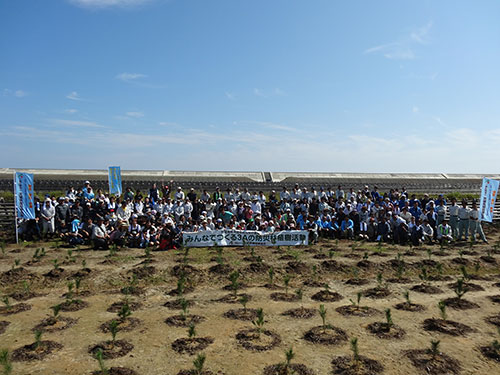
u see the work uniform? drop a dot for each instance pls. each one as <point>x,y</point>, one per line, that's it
<point>475,225</point>
<point>454,220</point>
<point>441,213</point>
<point>463,224</point>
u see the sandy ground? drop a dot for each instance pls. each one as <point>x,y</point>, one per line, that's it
<point>153,354</point>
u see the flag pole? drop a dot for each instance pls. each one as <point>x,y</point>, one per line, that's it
<point>15,206</point>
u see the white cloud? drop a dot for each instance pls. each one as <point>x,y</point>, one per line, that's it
<point>267,93</point>
<point>230,95</point>
<point>167,123</point>
<point>86,124</point>
<point>258,92</point>
<point>20,94</point>
<point>71,111</point>
<point>73,96</point>
<point>99,4</point>
<point>415,109</point>
<point>134,114</point>
<point>404,47</point>
<point>127,77</point>
<point>16,93</point>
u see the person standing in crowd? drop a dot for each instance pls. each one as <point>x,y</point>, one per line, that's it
<point>48,213</point>
<point>463,224</point>
<point>475,224</point>
<point>454,217</point>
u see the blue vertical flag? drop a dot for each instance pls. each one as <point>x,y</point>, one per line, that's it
<point>489,193</point>
<point>24,195</point>
<point>115,180</point>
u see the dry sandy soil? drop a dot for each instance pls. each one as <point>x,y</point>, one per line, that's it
<point>152,338</point>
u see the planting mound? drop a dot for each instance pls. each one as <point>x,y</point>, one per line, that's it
<point>116,371</point>
<point>14,309</point>
<point>326,296</point>
<point>300,313</point>
<point>426,289</point>
<point>294,368</point>
<point>126,325</point>
<point>414,307</point>
<point>328,335</point>
<point>73,305</point>
<point>52,324</point>
<point>191,345</point>
<point>252,339</point>
<point>117,306</point>
<point>176,304</point>
<point>241,314</point>
<point>184,320</point>
<point>112,350</point>
<point>34,352</point>
<point>352,310</point>
<point>460,304</point>
<point>446,326</point>
<point>284,297</point>
<point>385,331</point>
<point>429,364</point>
<point>231,298</point>
<point>3,326</point>
<point>494,319</point>
<point>490,352</point>
<point>377,292</point>
<point>364,366</point>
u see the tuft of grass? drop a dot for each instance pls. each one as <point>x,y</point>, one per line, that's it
<point>259,322</point>
<point>103,369</point>
<point>286,281</point>
<point>442,310</point>
<point>5,362</point>
<point>113,328</point>
<point>322,314</point>
<point>270,274</point>
<point>289,355</point>
<point>55,310</point>
<point>460,289</point>
<point>38,339</point>
<point>434,349</point>
<point>355,350</point>
<point>191,331</point>
<point>388,318</point>
<point>199,363</point>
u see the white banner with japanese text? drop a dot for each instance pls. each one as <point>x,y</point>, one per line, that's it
<point>227,237</point>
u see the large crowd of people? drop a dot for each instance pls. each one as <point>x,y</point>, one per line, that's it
<point>157,218</point>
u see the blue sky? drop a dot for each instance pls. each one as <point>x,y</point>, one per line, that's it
<point>280,85</point>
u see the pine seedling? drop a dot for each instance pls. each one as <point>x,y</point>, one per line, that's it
<point>270,274</point>
<point>259,322</point>
<point>55,310</point>
<point>191,331</point>
<point>70,285</point>
<point>181,283</point>
<point>400,270</point>
<point>17,262</point>
<point>233,277</point>
<point>252,252</point>
<point>423,275</point>
<point>6,302</point>
<point>358,299</point>
<point>465,274</point>
<point>124,312</point>
<point>315,272</point>
<point>70,257</point>
<point>331,253</point>
<point>286,281</point>
<point>477,267</point>
<point>388,318</point>
<point>442,309</point>
<point>355,350</point>
<point>100,360</point>
<point>299,293</point>
<point>55,264</point>
<point>379,280</point>
<point>322,314</point>
<point>289,355</point>
<point>184,306</point>
<point>429,254</point>
<point>365,256</point>
<point>439,268</point>
<point>460,289</point>
<point>42,252</point>
<point>38,339</point>
<point>199,363</point>
<point>5,362</point>
<point>406,294</point>
<point>243,300</point>
<point>434,349</point>
<point>113,328</point>
<point>355,272</point>
<point>78,282</point>
<point>84,263</point>
<point>26,287</point>
<point>219,259</point>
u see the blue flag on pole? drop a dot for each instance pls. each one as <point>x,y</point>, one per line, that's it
<point>489,193</point>
<point>115,180</point>
<point>24,195</point>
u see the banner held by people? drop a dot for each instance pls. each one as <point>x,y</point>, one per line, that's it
<point>489,192</point>
<point>245,238</point>
<point>115,180</point>
<point>24,195</point>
